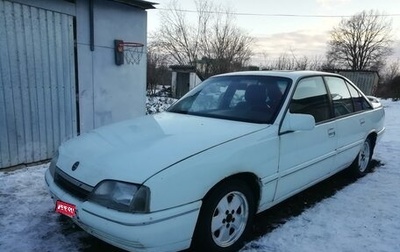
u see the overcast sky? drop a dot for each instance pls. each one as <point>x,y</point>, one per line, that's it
<point>291,26</point>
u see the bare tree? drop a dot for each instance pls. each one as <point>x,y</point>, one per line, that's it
<point>214,43</point>
<point>391,71</point>
<point>225,45</point>
<point>389,84</point>
<point>176,36</point>
<point>157,70</point>
<point>395,88</point>
<point>291,61</point>
<point>361,42</point>
<point>317,63</point>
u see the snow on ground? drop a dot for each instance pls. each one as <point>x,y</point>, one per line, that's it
<point>27,221</point>
<point>158,104</point>
<point>364,216</point>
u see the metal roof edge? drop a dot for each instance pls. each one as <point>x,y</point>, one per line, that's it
<point>137,3</point>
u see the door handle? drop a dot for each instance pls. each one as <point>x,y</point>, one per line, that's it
<point>331,132</point>
<point>362,121</point>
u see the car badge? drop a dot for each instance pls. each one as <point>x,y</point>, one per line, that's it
<point>75,166</point>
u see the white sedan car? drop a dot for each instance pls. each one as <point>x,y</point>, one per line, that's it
<point>196,175</point>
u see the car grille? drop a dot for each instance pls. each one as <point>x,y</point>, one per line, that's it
<point>71,185</point>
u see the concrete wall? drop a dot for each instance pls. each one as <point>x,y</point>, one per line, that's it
<point>107,92</point>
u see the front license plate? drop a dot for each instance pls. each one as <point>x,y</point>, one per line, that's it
<point>65,208</point>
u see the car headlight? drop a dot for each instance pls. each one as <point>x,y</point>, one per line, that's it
<point>121,196</point>
<point>53,163</point>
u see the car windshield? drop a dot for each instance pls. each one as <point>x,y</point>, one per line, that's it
<point>255,99</point>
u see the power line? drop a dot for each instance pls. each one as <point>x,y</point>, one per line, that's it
<point>272,15</point>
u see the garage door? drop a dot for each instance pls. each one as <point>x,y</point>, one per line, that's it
<point>37,83</point>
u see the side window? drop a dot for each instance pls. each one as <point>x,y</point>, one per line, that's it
<point>342,102</point>
<point>311,98</point>
<point>359,101</point>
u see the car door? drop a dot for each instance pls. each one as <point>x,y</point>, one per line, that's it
<point>351,123</point>
<point>307,156</point>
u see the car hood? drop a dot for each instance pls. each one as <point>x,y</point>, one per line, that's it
<point>135,150</point>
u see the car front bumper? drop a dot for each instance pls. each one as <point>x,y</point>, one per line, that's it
<point>167,230</point>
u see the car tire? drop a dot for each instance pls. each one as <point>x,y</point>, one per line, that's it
<point>361,165</point>
<point>225,218</point>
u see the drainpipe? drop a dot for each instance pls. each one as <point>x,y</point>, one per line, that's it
<point>91,24</point>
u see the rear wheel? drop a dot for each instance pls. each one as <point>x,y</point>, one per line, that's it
<point>225,217</point>
<point>361,164</point>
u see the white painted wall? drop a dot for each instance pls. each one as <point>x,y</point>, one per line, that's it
<point>194,80</point>
<point>109,93</point>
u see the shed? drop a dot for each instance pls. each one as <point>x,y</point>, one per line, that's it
<point>58,74</point>
<point>184,78</point>
<point>367,81</point>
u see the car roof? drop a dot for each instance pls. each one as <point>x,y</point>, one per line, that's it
<point>288,74</point>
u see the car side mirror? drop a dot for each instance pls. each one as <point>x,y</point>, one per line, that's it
<point>295,122</point>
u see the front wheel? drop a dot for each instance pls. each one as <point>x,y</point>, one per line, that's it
<point>225,217</point>
<point>361,164</point>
